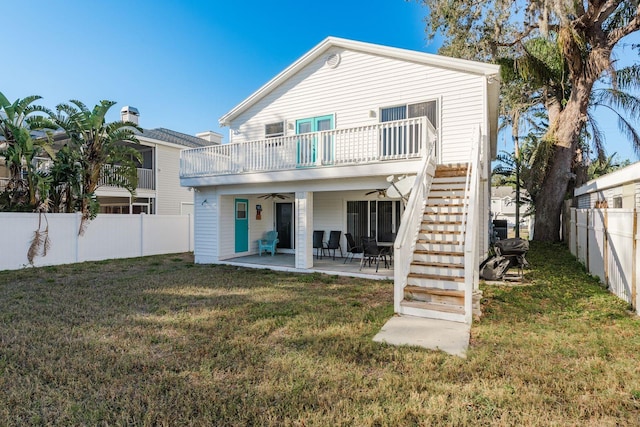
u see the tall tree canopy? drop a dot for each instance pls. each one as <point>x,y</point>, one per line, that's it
<point>554,53</point>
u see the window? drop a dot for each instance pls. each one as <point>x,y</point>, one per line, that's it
<point>273,130</point>
<point>617,202</point>
<point>424,109</point>
<point>241,210</point>
<point>427,109</point>
<point>376,218</point>
<point>399,141</point>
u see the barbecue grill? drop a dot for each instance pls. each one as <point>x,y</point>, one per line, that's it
<point>514,250</point>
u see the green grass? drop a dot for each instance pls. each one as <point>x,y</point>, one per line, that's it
<point>160,341</point>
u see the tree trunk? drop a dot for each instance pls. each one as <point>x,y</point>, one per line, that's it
<point>565,132</point>
<point>551,196</point>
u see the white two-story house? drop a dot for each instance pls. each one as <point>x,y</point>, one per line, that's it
<point>320,146</point>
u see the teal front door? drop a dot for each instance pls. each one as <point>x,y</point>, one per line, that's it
<point>242,225</point>
<point>308,149</point>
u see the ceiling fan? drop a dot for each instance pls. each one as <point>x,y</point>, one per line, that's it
<point>273,196</point>
<point>381,192</point>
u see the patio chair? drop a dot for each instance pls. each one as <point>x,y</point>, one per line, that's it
<point>351,247</point>
<point>268,243</point>
<point>372,253</point>
<point>334,243</point>
<point>318,243</point>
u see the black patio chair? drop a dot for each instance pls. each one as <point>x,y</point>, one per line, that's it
<point>351,247</point>
<point>334,243</point>
<point>318,243</point>
<point>372,253</point>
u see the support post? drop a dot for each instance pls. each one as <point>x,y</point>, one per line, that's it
<point>304,229</point>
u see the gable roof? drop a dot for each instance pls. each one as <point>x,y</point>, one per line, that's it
<point>173,137</point>
<point>439,61</point>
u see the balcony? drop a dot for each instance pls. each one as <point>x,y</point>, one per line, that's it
<point>396,140</point>
<point>145,178</point>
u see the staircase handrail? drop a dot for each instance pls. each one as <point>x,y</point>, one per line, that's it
<point>470,224</point>
<point>406,237</point>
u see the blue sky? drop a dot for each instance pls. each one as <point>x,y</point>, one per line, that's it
<point>184,64</point>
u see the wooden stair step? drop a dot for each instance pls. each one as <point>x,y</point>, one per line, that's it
<point>436,277</point>
<point>441,253</point>
<point>446,183</point>
<point>457,173</point>
<point>434,291</point>
<point>441,222</point>
<point>438,242</point>
<point>447,308</point>
<point>437,264</point>
<point>424,230</point>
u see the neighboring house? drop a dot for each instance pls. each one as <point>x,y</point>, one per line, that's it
<point>315,148</point>
<point>619,189</point>
<point>503,206</point>
<point>158,191</point>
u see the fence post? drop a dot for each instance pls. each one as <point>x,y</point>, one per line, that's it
<point>586,256</point>
<point>142,234</point>
<point>76,232</point>
<point>634,270</point>
<point>605,244</point>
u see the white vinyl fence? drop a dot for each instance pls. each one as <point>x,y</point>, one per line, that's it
<point>606,242</point>
<point>106,237</point>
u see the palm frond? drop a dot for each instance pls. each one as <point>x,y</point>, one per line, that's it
<point>617,100</point>
<point>597,137</point>
<point>628,78</point>
<point>627,129</point>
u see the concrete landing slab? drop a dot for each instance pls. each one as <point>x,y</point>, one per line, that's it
<point>450,337</point>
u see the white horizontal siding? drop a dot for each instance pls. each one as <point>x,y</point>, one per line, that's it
<point>258,227</point>
<point>170,195</point>
<point>364,83</point>
<point>227,227</point>
<point>329,214</point>
<point>206,226</point>
<point>584,201</point>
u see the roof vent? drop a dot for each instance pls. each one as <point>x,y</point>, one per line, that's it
<point>333,60</point>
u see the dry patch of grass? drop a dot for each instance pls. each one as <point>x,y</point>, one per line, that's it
<point>160,341</point>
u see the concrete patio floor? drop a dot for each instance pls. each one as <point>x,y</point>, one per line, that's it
<point>286,262</point>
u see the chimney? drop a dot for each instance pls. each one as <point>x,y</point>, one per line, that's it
<point>213,137</point>
<point>130,114</point>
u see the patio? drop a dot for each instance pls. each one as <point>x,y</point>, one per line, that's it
<point>286,262</point>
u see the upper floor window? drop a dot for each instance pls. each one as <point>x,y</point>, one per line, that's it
<point>273,130</point>
<point>427,109</point>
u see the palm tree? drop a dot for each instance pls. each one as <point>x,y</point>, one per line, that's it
<point>27,188</point>
<point>103,153</point>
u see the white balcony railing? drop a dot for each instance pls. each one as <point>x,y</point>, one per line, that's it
<point>145,178</point>
<point>397,140</point>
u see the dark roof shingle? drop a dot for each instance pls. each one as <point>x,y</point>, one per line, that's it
<point>174,137</point>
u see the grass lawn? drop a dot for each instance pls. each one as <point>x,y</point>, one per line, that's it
<point>159,341</point>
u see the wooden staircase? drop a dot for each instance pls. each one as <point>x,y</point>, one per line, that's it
<point>435,284</point>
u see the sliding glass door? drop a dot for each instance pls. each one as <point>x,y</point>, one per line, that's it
<point>376,218</point>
